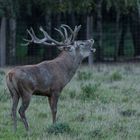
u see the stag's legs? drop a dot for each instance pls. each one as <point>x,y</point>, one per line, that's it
<point>53,105</point>
<point>22,109</point>
<point>15,99</point>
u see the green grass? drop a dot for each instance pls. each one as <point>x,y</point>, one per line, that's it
<point>100,104</point>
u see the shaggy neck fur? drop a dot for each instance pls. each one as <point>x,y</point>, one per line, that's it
<point>68,63</point>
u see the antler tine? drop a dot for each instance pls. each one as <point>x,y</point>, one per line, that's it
<point>65,32</point>
<point>74,33</point>
<point>35,38</point>
<point>39,41</point>
<point>64,25</point>
<point>47,37</point>
<point>27,40</point>
<point>32,37</point>
<point>60,32</point>
<point>71,37</point>
<point>69,40</point>
<point>76,30</point>
<point>25,44</point>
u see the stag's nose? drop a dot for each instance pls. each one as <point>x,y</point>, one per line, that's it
<point>92,42</point>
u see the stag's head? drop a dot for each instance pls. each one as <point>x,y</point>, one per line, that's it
<point>68,43</point>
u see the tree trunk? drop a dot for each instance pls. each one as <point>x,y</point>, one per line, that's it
<point>47,53</point>
<point>89,35</point>
<point>48,22</point>
<point>117,35</point>
<point>99,50</point>
<point>52,20</point>
<point>135,29</point>
<point>12,40</point>
<point>122,36</point>
<point>3,42</point>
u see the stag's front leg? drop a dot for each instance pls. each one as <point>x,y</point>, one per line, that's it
<point>53,105</point>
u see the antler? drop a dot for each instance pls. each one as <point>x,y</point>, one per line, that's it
<point>74,33</point>
<point>48,40</point>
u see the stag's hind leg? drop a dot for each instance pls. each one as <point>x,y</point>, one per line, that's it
<point>12,86</point>
<point>22,109</point>
<point>15,100</point>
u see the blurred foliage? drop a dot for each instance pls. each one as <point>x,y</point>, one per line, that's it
<point>121,5</point>
<point>58,128</point>
<point>89,91</point>
<point>116,76</point>
<point>13,6</point>
<point>83,75</point>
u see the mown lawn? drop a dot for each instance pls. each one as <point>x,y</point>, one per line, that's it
<point>100,104</point>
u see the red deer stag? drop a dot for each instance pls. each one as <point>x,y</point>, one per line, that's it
<point>47,78</point>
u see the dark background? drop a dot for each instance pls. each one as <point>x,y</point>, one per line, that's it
<point>114,25</point>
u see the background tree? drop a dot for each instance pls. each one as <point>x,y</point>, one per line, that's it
<point>99,49</point>
<point>127,15</point>
<point>134,13</point>
<point>3,5</point>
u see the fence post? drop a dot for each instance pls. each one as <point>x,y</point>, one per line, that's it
<point>3,42</point>
<point>89,36</point>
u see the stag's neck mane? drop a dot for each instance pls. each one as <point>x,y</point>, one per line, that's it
<point>69,63</point>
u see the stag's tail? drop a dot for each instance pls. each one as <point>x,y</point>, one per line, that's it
<point>13,88</point>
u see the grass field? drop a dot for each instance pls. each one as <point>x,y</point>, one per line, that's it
<point>100,104</point>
